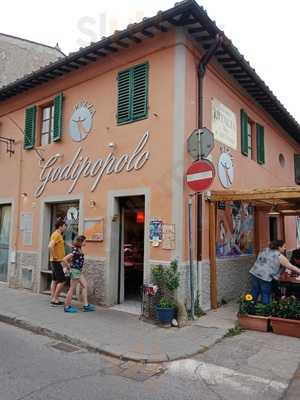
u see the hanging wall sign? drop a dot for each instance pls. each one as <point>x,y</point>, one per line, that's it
<point>83,167</point>
<point>81,121</point>
<point>226,169</point>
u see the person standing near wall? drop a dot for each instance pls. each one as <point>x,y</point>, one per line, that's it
<point>75,263</point>
<point>57,254</point>
<point>266,268</point>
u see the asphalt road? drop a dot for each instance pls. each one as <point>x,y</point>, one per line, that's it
<point>34,367</point>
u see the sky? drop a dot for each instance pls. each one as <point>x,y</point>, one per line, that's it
<point>265,32</point>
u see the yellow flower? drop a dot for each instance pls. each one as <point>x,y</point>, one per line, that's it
<point>248,297</point>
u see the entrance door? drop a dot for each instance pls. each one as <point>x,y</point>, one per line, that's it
<point>69,212</point>
<point>131,268</point>
<point>5,221</point>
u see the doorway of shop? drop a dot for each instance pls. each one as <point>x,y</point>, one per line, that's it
<point>5,222</point>
<point>131,252</point>
<point>69,212</point>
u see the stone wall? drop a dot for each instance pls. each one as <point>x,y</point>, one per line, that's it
<point>95,274</point>
<point>233,277</point>
<point>26,273</point>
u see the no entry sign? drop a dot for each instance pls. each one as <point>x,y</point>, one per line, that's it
<point>200,175</point>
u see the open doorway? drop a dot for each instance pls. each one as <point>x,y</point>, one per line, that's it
<point>131,250</point>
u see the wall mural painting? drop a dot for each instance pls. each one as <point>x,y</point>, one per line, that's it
<point>235,229</point>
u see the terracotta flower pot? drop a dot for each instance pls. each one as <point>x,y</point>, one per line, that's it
<point>254,322</point>
<point>288,327</point>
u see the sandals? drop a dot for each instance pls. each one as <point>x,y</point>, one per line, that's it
<point>59,303</point>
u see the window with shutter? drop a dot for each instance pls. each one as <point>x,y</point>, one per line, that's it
<point>140,92</point>
<point>57,126</point>
<point>133,94</point>
<point>244,133</point>
<point>260,142</point>
<point>29,132</point>
<point>47,113</point>
<point>124,96</point>
<point>297,168</point>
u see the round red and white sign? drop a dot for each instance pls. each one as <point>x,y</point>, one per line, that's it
<point>200,175</point>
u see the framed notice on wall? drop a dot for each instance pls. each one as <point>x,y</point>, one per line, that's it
<point>168,237</point>
<point>93,229</point>
<point>224,124</point>
<point>26,228</point>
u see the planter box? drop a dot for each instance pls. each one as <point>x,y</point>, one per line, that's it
<point>165,315</point>
<point>288,327</point>
<point>254,322</point>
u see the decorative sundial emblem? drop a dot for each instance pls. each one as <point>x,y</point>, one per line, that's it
<point>226,170</point>
<point>81,122</point>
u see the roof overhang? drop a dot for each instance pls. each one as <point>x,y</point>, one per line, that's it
<point>280,200</point>
<point>186,14</point>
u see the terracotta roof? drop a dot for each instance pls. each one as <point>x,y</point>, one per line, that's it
<point>186,14</point>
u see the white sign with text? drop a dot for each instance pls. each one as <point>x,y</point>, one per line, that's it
<point>224,124</point>
<point>83,167</point>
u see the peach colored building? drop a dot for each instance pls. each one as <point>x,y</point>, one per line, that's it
<point>100,138</point>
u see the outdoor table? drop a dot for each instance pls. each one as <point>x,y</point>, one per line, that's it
<point>291,283</point>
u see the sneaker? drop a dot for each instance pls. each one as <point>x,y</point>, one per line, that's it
<point>70,309</point>
<point>59,303</point>
<point>89,307</point>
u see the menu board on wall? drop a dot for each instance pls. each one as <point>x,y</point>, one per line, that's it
<point>224,124</point>
<point>235,230</point>
<point>26,228</point>
<point>168,236</point>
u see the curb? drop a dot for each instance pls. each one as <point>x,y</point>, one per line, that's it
<point>129,356</point>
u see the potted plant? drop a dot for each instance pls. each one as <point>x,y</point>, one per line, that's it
<point>168,280</point>
<point>253,316</point>
<point>165,311</point>
<point>285,318</point>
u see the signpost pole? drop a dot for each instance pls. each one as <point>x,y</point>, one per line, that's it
<point>191,258</point>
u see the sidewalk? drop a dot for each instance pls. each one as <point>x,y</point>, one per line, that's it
<point>112,332</point>
<point>293,392</point>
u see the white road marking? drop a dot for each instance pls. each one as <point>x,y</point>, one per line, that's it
<point>199,176</point>
<point>216,375</point>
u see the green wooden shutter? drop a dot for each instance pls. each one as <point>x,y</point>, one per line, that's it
<point>297,168</point>
<point>58,108</point>
<point>244,133</point>
<point>29,132</point>
<point>260,143</point>
<point>140,91</point>
<point>124,96</point>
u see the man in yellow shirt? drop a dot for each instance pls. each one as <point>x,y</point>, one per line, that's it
<point>57,254</point>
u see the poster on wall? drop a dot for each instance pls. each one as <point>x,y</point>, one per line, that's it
<point>224,124</point>
<point>155,232</point>
<point>235,230</point>
<point>93,229</point>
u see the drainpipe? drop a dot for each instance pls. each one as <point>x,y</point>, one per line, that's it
<point>206,58</point>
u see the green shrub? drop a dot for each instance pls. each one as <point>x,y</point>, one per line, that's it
<point>288,308</point>
<point>165,303</point>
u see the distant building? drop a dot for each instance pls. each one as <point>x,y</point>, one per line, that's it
<point>19,57</point>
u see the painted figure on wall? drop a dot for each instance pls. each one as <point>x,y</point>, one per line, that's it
<point>235,234</point>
